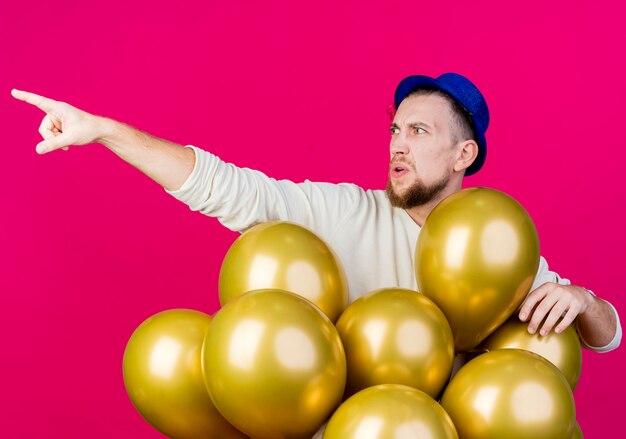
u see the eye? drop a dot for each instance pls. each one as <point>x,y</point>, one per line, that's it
<point>420,130</point>
<point>394,130</point>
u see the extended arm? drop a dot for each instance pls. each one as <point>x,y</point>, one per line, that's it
<point>239,198</point>
<point>63,126</point>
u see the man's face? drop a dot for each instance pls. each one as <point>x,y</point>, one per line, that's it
<point>422,151</point>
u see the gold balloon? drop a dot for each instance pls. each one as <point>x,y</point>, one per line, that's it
<point>578,432</point>
<point>476,258</point>
<point>288,257</point>
<point>163,377</point>
<point>510,394</point>
<point>563,349</point>
<point>390,411</point>
<point>274,365</point>
<point>396,336</point>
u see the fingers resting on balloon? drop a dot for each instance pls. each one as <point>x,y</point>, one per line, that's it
<point>552,302</point>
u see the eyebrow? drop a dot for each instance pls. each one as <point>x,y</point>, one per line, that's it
<point>413,125</point>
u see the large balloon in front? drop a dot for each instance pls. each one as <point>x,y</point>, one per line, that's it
<point>274,365</point>
<point>476,258</point>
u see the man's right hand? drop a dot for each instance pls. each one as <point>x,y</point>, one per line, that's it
<point>63,125</point>
<point>167,163</point>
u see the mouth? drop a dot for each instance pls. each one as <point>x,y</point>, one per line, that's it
<point>397,170</point>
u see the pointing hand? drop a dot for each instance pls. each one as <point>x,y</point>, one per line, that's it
<point>63,125</point>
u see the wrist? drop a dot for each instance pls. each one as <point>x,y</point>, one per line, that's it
<point>590,300</point>
<point>108,131</point>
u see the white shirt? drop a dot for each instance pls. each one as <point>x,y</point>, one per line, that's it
<point>374,241</point>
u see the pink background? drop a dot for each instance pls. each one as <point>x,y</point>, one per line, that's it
<point>91,247</point>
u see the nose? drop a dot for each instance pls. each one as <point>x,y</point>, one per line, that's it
<point>399,145</point>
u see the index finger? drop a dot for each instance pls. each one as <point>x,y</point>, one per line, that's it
<point>40,102</point>
<point>531,300</point>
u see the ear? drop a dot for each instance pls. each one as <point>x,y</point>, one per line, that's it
<point>467,154</point>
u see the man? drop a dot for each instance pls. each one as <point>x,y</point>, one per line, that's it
<point>437,137</point>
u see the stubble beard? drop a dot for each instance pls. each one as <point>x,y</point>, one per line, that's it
<point>417,194</point>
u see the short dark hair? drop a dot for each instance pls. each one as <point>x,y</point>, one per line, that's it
<point>463,127</point>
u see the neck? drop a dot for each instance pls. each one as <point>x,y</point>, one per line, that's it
<point>420,213</point>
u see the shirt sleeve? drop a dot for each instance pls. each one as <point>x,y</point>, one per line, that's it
<point>617,338</point>
<point>545,275</point>
<point>241,198</point>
